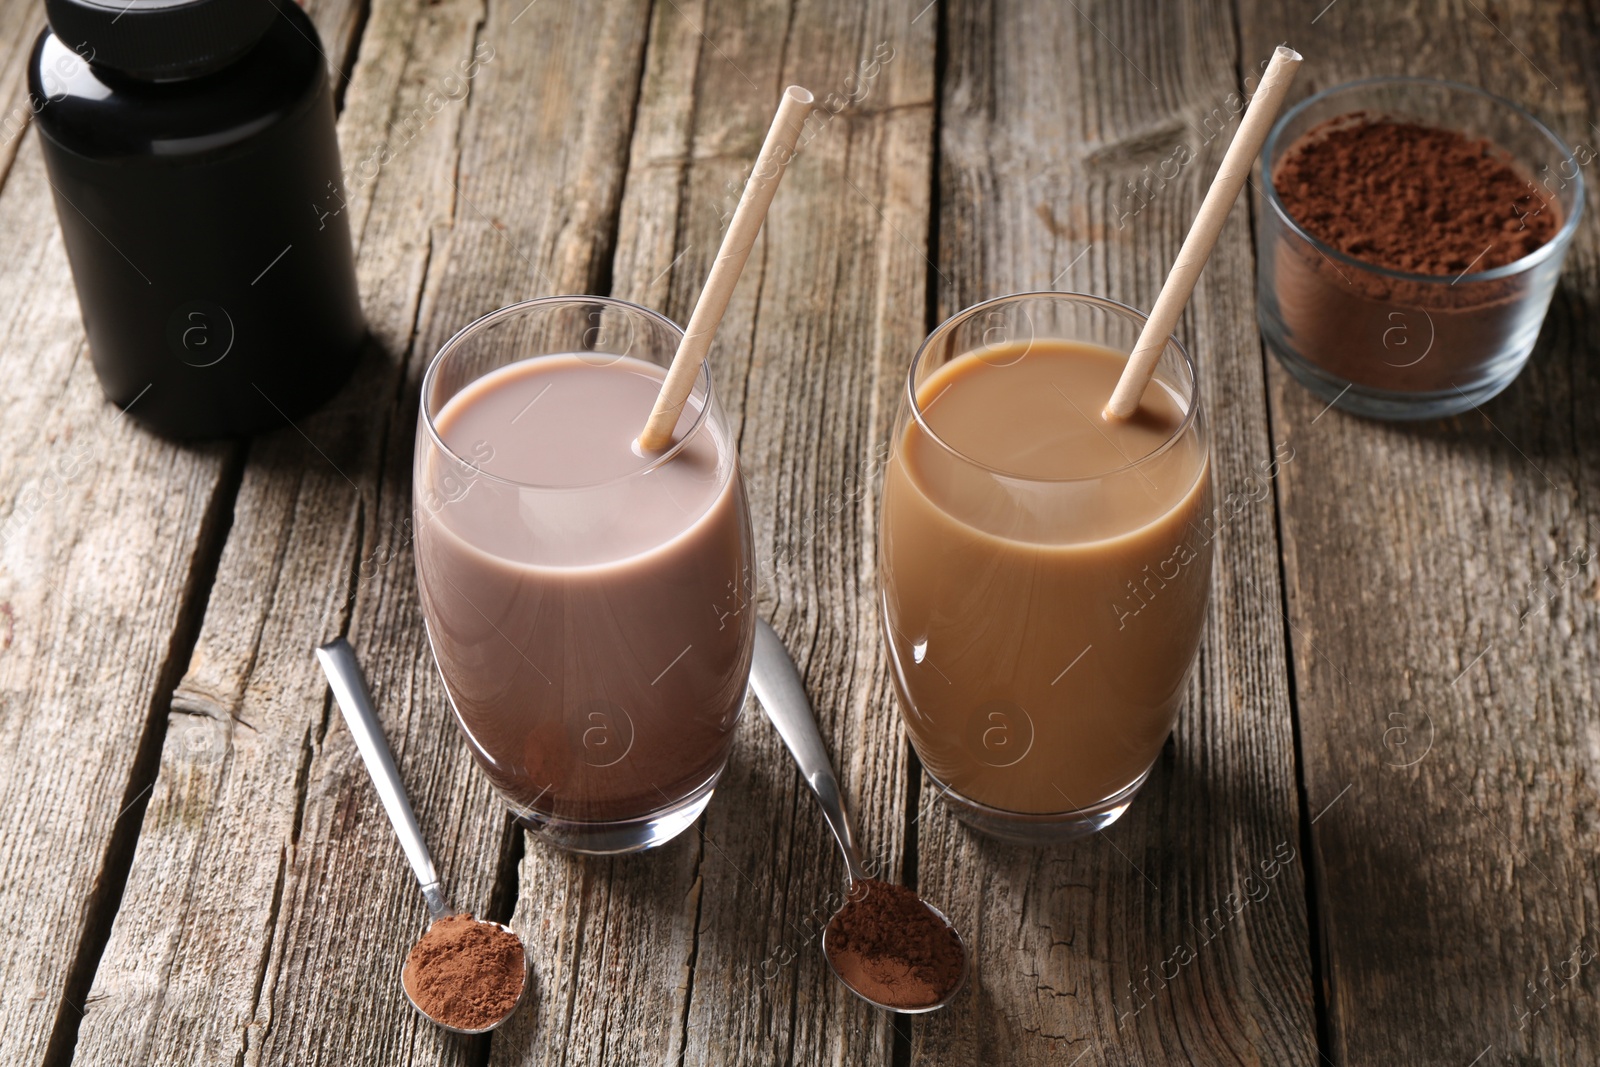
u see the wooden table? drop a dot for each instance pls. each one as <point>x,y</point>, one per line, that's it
<point>1395,705</point>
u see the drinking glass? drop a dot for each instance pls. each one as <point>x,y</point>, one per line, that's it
<point>1041,631</point>
<point>595,662</point>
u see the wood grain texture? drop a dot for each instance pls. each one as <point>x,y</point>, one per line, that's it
<point>1446,640</point>
<point>706,952</point>
<point>1143,944</point>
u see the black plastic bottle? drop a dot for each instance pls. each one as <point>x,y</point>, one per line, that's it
<point>191,150</point>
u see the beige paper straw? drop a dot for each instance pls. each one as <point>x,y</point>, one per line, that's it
<point>776,152</point>
<point>1175,292</point>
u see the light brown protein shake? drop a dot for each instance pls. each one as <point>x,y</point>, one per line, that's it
<point>1044,599</point>
<point>586,613</point>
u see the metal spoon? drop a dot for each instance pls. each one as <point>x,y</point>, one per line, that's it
<point>783,697</point>
<point>338,661</point>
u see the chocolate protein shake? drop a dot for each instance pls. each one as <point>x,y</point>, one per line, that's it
<point>584,600</point>
<point>1045,574</point>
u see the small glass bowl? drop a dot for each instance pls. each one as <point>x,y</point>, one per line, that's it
<point>1393,345</point>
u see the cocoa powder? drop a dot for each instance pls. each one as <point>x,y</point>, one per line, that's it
<point>1429,202</point>
<point>464,973</point>
<point>1412,198</point>
<point>889,945</point>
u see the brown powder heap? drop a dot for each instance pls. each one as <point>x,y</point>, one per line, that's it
<point>464,973</point>
<point>1412,198</point>
<point>890,946</point>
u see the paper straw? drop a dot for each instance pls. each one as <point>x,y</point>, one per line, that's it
<point>1175,293</point>
<point>776,153</point>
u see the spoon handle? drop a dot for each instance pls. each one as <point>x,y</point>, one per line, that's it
<point>783,697</point>
<point>338,661</point>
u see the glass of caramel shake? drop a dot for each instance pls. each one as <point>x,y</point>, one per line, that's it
<point>1044,570</point>
<point>590,605</point>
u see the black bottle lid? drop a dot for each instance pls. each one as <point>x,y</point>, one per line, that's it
<point>160,39</point>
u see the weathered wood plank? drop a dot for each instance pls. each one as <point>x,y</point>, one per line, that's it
<point>1445,636</point>
<point>706,952</point>
<point>268,899</point>
<point>1050,115</point>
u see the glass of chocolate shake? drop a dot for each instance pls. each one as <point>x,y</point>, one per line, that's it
<point>1044,571</point>
<point>589,604</point>
<point>1412,233</point>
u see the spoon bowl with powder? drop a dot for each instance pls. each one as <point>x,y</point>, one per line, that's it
<point>467,975</point>
<point>890,947</point>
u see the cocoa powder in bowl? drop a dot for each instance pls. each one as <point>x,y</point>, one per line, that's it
<point>465,974</point>
<point>894,949</point>
<point>1410,197</point>
<point>1417,200</point>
